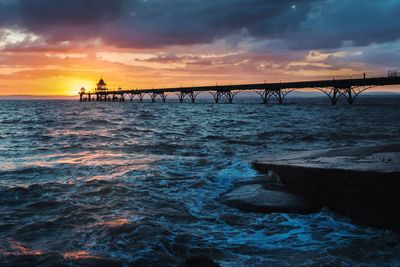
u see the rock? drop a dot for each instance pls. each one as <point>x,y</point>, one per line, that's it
<point>255,198</point>
<point>200,261</point>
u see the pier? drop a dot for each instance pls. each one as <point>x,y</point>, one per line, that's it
<point>335,89</point>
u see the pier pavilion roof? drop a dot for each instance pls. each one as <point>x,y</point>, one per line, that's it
<point>101,82</point>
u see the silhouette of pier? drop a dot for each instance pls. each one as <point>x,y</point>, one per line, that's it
<point>335,89</point>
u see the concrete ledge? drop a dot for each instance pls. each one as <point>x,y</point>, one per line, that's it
<point>366,194</point>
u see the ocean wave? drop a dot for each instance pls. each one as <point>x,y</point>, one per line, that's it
<point>132,184</point>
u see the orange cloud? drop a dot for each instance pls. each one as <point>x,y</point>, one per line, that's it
<point>65,72</point>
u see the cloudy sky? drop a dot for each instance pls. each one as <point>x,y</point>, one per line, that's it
<point>50,47</point>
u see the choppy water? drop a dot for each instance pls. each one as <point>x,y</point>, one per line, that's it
<point>140,183</point>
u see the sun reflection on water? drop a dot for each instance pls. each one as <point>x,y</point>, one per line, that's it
<point>18,248</point>
<point>113,223</point>
<point>76,255</point>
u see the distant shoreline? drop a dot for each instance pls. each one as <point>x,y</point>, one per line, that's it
<point>34,97</point>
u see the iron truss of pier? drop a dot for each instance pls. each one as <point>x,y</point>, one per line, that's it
<point>347,89</point>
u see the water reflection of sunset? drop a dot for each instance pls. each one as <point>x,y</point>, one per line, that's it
<point>19,248</point>
<point>117,164</point>
<point>76,255</point>
<point>113,223</point>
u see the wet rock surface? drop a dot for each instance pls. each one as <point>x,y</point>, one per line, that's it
<point>255,198</point>
<point>383,158</point>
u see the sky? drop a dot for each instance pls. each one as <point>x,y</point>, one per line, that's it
<point>50,47</point>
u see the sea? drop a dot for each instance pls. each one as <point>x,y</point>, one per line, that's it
<point>139,184</point>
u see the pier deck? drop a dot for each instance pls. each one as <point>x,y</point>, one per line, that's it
<point>347,89</point>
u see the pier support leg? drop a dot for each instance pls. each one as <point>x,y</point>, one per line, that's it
<point>281,94</point>
<point>349,93</point>
<point>279,97</point>
<point>154,96</point>
<point>217,96</point>
<point>350,98</point>
<point>163,97</point>
<point>141,97</point>
<point>229,95</point>
<point>335,96</point>
<point>354,91</point>
<point>265,95</point>
<point>181,96</point>
<point>332,93</point>
<point>192,95</point>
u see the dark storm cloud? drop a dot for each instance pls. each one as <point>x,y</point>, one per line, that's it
<point>301,24</point>
<point>45,13</point>
<point>333,23</point>
<point>61,20</point>
<point>189,22</point>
